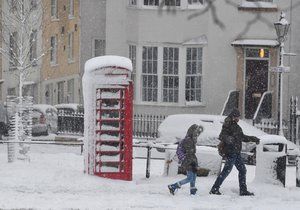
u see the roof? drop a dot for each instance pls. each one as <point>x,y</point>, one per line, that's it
<point>107,61</point>
<point>255,42</point>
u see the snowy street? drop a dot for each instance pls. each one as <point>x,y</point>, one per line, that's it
<point>54,179</point>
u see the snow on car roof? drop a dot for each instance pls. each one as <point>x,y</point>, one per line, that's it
<point>43,107</point>
<point>69,106</point>
<point>174,127</point>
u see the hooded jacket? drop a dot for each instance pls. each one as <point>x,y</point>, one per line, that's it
<point>232,135</point>
<point>189,146</point>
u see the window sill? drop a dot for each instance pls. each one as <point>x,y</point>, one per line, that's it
<point>70,61</point>
<point>197,104</point>
<point>53,64</point>
<point>54,19</point>
<point>258,6</point>
<point>188,7</point>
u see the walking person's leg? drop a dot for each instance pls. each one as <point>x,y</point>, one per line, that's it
<point>230,161</point>
<point>239,164</point>
<point>193,188</point>
<point>177,185</point>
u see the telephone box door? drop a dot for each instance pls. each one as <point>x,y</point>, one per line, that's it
<point>114,132</point>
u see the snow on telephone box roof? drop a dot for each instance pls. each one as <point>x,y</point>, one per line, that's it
<point>107,61</point>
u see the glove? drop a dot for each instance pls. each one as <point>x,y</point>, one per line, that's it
<point>256,140</point>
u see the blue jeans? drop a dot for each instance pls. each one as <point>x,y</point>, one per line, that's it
<point>233,159</point>
<point>190,178</point>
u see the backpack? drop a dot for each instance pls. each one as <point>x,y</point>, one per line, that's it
<point>180,151</point>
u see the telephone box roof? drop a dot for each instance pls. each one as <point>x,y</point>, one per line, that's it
<point>107,61</point>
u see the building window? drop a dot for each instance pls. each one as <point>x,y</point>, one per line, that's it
<point>54,8</point>
<point>132,2</point>
<point>49,94</point>
<point>13,5</point>
<point>71,46</point>
<point>172,2</point>
<point>60,92</point>
<point>193,82</point>
<point>53,52</point>
<point>195,2</point>
<point>11,92</point>
<point>71,8</point>
<point>33,47</point>
<point>70,96</point>
<point>149,74</point>
<point>170,74</point>
<point>13,51</point>
<point>132,57</point>
<point>257,53</point>
<point>31,90</point>
<point>99,47</point>
<point>33,4</point>
<point>151,2</point>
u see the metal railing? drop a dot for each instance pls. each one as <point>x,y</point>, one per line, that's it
<point>146,125</point>
<point>70,122</point>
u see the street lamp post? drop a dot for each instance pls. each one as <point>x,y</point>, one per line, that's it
<point>282,28</point>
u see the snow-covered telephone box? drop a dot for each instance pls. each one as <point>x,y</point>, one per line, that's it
<point>108,96</point>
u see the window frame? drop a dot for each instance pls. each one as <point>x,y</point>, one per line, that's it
<point>53,9</point>
<point>170,75</point>
<point>33,47</point>
<point>71,9</point>
<point>60,92</point>
<point>102,49</point>
<point>197,74</point>
<point>147,62</point>
<point>71,47</point>
<point>13,51</point>
<point>132,56</point>
<point>53,51</point>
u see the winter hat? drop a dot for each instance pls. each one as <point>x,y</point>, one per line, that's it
<point>234,113</point>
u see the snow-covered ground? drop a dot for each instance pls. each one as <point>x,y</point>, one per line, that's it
<point>54,179</point>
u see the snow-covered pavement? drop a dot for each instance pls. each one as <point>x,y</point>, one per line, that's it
<point>54,179</point>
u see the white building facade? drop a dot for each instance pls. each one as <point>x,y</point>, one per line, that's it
<point>188,54</point>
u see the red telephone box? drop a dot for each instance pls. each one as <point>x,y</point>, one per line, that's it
<point>110,153</point>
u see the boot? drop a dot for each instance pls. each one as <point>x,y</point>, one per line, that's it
<point>193,191</point>
<point>246,193</point>
<point>173,188</point>
<point>215,191</point>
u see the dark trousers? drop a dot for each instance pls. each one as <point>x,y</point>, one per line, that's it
<point>233,159</point>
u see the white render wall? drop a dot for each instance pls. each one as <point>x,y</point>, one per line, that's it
<point>144,26</point>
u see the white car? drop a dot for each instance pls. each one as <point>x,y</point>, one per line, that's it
<point>44,119</point>
<point>174,127</point>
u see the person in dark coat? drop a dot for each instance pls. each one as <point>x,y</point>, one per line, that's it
<point>190,162</point>
<point>233,136</point>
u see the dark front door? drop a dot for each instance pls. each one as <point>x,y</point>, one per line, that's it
<point>256,83</point>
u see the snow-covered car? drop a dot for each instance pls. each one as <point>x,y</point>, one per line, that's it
<point>69,108</point>
<point>174,127</point>
<point>44,119</point>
